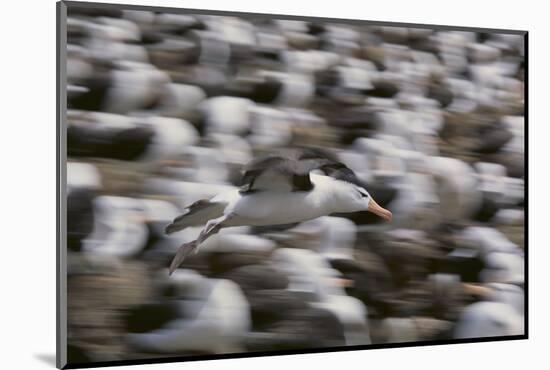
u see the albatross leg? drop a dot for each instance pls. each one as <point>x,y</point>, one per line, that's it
<point>211,228</point>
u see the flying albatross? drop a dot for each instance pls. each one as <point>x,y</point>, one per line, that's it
<point>278,190</point>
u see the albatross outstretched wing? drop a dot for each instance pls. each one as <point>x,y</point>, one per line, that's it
<point>281,173</point>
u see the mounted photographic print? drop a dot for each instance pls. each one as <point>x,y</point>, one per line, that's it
<point>237,184</point>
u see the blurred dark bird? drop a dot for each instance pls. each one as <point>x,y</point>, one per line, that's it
<point>278,190</point>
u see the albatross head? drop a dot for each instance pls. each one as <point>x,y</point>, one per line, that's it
<point>353,198</point>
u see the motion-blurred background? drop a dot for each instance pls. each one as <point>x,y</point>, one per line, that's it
<point>164,109</point>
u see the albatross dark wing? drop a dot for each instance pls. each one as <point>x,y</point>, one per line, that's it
<point>291,171</point>
<point>342,172</point>
<point>280,174</point>
<point>330,165</point>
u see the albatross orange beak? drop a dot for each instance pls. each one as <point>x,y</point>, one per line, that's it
<point>379,211</point>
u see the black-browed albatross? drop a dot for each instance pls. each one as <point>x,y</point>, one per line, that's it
<point>278,190</point>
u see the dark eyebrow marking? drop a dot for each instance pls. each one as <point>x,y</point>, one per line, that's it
<point>363,194</point>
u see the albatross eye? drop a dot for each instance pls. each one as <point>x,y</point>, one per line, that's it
<point>363,194</point>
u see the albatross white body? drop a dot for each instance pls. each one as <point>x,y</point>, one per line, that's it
<point>282,207</point>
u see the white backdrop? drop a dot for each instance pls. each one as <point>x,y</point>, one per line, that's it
<point>27,205</point>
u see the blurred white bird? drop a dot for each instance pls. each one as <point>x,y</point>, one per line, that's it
<point>278,190</point>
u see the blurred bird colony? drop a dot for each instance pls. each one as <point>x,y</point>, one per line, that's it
<point>165,109</point>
